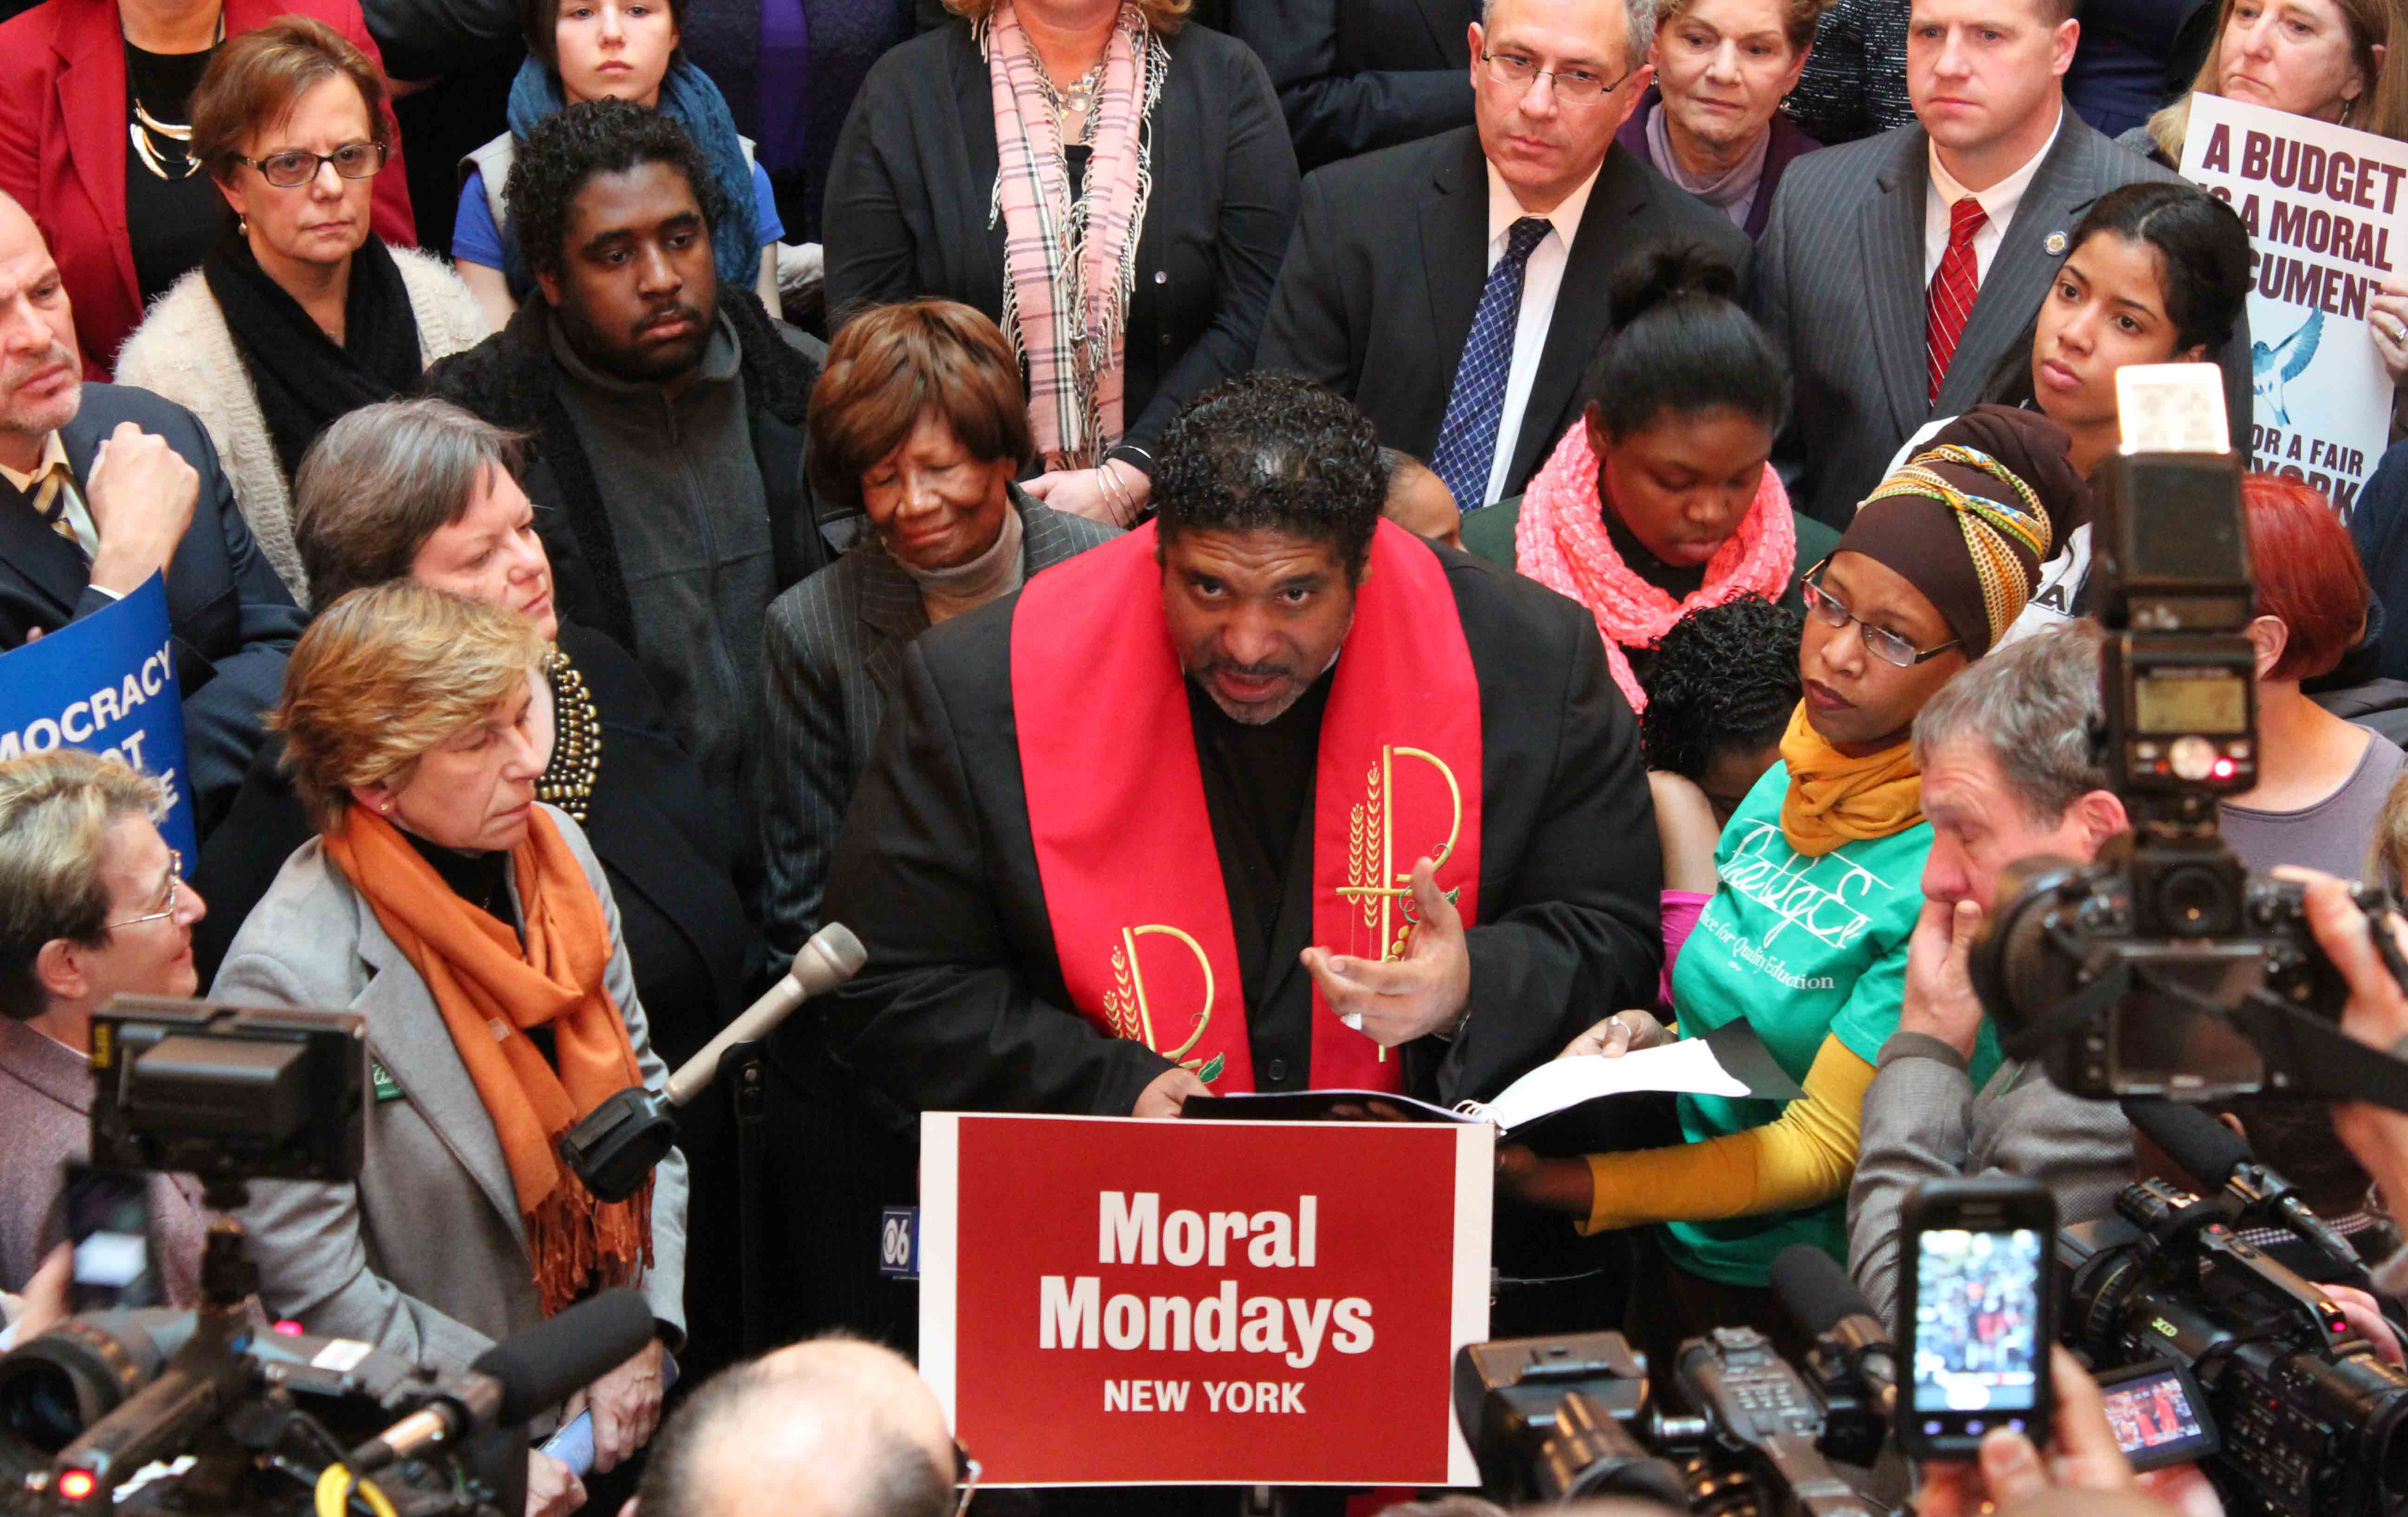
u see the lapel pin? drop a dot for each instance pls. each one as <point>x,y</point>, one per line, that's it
<point>2055,243</point>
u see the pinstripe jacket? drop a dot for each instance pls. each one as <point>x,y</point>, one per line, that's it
<point>1839,284</point>
<point>832,649</point>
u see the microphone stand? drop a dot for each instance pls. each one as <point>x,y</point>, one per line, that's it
<point>745,1067</point>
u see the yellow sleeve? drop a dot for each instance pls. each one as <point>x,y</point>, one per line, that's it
<point>1801,1159</point>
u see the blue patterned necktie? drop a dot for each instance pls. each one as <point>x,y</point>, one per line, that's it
<point>1467,439</point>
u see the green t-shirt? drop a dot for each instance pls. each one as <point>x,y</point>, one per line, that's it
<point>1802,948</point>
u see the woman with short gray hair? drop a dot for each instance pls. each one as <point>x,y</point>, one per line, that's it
<point>422,490</point>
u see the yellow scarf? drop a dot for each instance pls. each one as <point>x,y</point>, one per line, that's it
<point>1834,798</point>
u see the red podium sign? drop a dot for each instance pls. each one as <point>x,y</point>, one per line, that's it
<point>1105,1301</point>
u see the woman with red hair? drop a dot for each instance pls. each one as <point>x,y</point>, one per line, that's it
<point>2321,781</point>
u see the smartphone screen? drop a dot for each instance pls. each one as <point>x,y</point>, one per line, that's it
<point>1981,1341</point>
<point>2157,1415</point>
<point>109,1224</point>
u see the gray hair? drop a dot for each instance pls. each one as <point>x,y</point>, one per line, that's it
<point>1639,15</point>
<point>56,807</point>
<point>2030,706</point>
<point>382,479</point>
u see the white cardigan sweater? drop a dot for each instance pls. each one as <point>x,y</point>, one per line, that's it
<point>185,351</point>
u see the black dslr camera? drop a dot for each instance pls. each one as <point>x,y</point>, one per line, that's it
<point>2164,968</point>
<point>2312,1423</point>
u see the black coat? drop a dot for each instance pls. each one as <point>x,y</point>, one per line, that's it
<point>1357,75</point>
<point>233,619</point>
<point>511,379</point>
<point>914,176</point>
<point>962,1004</point>
<point>1391,253</point>
<point>649,822</point>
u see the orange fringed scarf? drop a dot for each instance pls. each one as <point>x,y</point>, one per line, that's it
<point>488,993</point>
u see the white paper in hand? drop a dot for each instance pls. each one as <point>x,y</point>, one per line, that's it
<point>1684,1067</point>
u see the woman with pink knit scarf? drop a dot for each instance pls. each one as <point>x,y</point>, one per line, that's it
<point>1659,501</point>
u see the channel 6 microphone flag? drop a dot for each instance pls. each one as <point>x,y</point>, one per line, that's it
<point>106,684</point>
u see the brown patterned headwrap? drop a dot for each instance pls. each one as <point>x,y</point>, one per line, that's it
<point>1970,519</point>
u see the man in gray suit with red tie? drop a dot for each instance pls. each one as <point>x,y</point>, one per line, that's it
<point>1898,272</point>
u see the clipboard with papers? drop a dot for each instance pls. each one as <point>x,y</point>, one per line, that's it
<point>1587,1105</point>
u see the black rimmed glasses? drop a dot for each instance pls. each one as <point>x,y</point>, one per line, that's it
<point>296,166</point>
<point>966,1471</point>
<point>175,897</point>
<point>1888,646</point>
<point>1573,86</point>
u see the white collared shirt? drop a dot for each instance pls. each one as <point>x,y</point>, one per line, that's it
<point>1542,278</point>
<point>1999,200</point>
<point>54,452</point>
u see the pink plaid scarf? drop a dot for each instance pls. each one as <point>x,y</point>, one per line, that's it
<point>1560,540</point>
<point>1069,267</point>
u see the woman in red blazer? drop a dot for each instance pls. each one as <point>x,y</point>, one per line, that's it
<point>64,133</point>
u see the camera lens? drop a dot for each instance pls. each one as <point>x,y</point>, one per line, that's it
<point>1593,1454</point>
<point>2197,900</point>
<point>71,1377</point>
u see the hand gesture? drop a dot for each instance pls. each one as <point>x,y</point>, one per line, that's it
<point>141,493</point>
<point>1625,1032</point>
<point>2010,1470</point>
<point>1169,1093</point>
<point>553,1489</point>
<point>1401,999</point>
<point>626,1406</point>
<point>1939,999</point>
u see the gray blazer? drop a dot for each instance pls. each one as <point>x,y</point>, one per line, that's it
<point>1922,1120</point>
<point>427,1256</point>
<point>832,652</point>
<point>1839,285</point>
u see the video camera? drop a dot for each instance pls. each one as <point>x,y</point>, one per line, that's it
<point>231,1094</point>
<point>1560,1419</point>
<point>2164,968</point>
<point>2313,1425</point>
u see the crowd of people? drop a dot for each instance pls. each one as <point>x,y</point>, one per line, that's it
<point>995,474</point>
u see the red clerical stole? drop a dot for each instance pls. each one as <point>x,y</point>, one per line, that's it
<point>1124,846</point>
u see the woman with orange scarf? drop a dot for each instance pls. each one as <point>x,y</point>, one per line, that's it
<point>473,929</point>
<point>1820,885</point>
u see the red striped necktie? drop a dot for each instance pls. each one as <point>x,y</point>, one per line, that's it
<point>1954,290</point>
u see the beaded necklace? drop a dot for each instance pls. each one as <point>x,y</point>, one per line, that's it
<point>568,781</point>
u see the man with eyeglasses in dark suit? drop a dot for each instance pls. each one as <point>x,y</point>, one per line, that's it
<point>1455,288</point>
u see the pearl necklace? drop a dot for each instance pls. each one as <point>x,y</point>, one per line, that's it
<point>568,781</point>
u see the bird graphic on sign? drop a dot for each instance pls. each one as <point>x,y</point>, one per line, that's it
<point>2271,368</point>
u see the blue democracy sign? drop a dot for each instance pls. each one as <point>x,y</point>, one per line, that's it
<point>105,682</point>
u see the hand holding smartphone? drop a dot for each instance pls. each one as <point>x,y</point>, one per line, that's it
<point>1977,1308</point>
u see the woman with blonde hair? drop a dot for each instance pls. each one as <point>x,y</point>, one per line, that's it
<point>2330,60</point>
<point>473,929</point>
<point>1112,187</point>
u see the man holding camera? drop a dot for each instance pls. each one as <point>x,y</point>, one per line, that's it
<point>2007,775</point>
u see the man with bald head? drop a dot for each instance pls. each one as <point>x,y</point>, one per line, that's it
<point>102,487</point>
<point>833,1427</point>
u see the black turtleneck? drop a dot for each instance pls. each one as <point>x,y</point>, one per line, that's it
<point>483,881</point>
<point>1258,784</point>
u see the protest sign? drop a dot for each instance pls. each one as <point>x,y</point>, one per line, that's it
<point>2321,203</point>
<point>1112,1301</point>
<point>107,683</point>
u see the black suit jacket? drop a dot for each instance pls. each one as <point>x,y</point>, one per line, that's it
<point>1357,75</point>
<point>650,820</point>
<point>233,619</point>
<point>1385,274</point>
<point>962,1004</point>
<point>914,176</point>
<point>1839,285</point>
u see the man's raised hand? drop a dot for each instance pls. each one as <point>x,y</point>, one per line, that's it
<point>1424,992</point>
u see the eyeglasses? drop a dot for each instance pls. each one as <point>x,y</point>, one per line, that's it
<point>1882,644</point>
<point>296,166</point>
<point>966,1471</point>
<point>1573,86</point>
<point>175,896</point>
